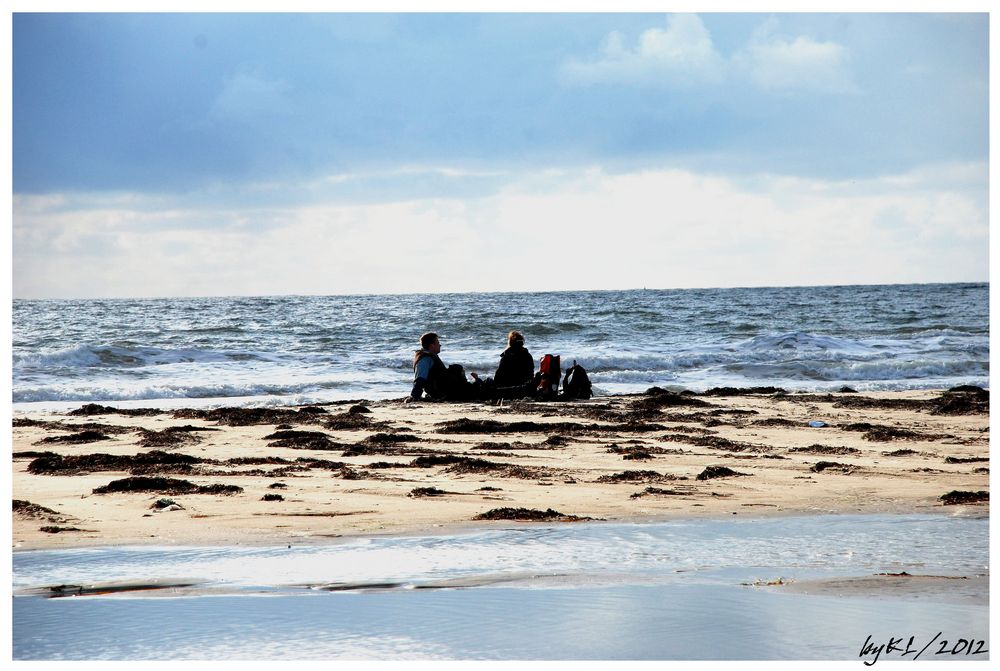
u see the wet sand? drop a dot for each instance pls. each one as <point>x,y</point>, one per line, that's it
<point>308,474</point>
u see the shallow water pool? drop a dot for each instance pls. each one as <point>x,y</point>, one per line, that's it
<point>692,589</point>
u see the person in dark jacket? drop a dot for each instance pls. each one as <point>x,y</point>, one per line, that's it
<point>431,375</point>
<point>429,372</point>
<point>517,367</point>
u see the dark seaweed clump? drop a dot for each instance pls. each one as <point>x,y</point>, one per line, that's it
<point>712,472</point>
<point>637,476</point>
<point>821,466</point>
<point>83,463</point>
<point>956,497</point>
<point>172,436</point>
<point>466,425</point>
<point>164,486</point>
<point>882,433</point>
<point>77,438</point>
<point>303,440</point>
<point>419,492</point>
<point>254,416</point>
<point>499,469</point>
<point>527,515</point>
<point>432,460</point>
<point>272,497</point>
<point>656,491</point>
<point>95,409</point>
<point>964,460</point>
<point>29,509</point>
<point>826,449</point>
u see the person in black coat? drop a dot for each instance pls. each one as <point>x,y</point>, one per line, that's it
<point>516,365</point>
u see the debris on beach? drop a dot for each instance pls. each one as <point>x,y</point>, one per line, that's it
<point>58,530</point>
<point>639,476</point>
<point>776,582</point>
<point>528,515</point>
<point>956,497</point>
<point>882,433</point>
<point>466,425</point>
<point>303,440</point>
<point>27,509</point>
<point>420,492</point>
<point>76,438</point>
<point>272,497</point>
<point>230,416</point>
<point>165,506</point>
<point>821,466</point>
<point>825,449</point>
<point>95,409</point>
<point>164,486</point>
<point>497,469</point>
<point>712,472</point>
<point>965,460</point>
<point>656,491</point>
<point>775,421</point>
<point>172,436</point>
<point>85,463</point>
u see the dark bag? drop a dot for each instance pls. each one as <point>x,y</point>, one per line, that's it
<point>576,384</point>
<point>549,371</point>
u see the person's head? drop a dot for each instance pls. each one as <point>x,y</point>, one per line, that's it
<point>515,339</point>
<point>430,342</point>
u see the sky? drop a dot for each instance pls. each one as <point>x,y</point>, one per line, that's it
<point>201,154</point>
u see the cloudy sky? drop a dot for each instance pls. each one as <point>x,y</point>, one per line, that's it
<point>249,154</point>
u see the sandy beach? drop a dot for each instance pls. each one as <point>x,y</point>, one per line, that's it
<point>103,476</point>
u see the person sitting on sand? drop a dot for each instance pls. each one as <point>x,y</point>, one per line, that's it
<point>515,376</point>
<point>430,375</point>
<point>516,364</point>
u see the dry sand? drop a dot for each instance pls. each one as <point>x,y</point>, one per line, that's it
<point>615,458</point>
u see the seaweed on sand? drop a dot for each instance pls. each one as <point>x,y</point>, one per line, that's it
<point>252,416</point>
<point>712,472</point>
<point>956,497</point>
<point>466,425</point>
<point>825,449</point>
<point>821,466</point>
<point>76,438</point>
<point>162,485</point>
<point>639,476</point>
<point>84,463</point>
<point>528,515</point>
<point>95,409</point>
<point>303,440</point>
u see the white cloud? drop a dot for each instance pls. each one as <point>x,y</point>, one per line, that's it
<point>684,55</point>
<point>572,230</point>
<point>681,54</point>
<point>800,63</point>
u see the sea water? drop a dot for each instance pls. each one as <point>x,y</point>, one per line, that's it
<point>687,589</point>
<point>302,349</point>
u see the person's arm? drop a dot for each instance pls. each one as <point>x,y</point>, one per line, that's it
<point>420,377</point>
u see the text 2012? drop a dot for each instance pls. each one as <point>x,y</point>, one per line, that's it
<point>911,649</point>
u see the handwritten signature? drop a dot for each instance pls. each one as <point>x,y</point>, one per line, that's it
<point>962,646</point>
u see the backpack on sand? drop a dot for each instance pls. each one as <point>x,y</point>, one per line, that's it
<point>549,371</point>
<point>576,384</point>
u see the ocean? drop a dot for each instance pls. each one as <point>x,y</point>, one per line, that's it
<point>311,349</point>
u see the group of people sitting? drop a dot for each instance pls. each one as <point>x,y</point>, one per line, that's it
<point>515,376</point>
